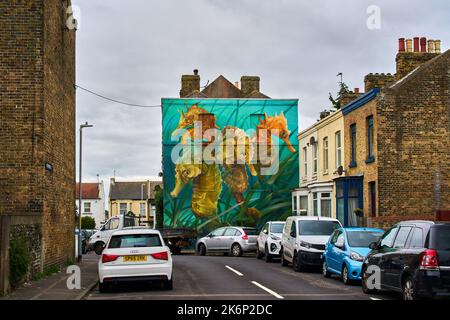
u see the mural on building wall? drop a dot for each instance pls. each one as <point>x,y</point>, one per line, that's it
<point>228,161</point>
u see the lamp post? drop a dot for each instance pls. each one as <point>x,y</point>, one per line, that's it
<point>80,189</point>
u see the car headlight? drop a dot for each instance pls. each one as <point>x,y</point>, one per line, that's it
<point>305,244</point>
<point>356,256</point>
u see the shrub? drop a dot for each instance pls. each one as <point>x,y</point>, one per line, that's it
<point>87,223</point>
<point>19,259</point>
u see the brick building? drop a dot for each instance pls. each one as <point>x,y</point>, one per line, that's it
<point>397,141</point>
<point>37,132</point>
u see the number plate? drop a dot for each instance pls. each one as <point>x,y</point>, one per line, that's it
<point>134,258</point>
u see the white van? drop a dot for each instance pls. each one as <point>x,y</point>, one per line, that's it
<point>303,240</point>
<point>98,240</point>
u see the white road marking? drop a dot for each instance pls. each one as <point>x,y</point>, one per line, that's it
<point>375,298</point>
<point>267,290</point>
<point>234,270</point>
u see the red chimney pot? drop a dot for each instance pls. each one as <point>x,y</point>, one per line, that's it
<point>423,44</point>
<point>401,45</point>
<point>356,90</point>
<point>416,44</point>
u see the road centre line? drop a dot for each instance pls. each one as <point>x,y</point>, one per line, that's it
<point>234,270</point>
<point>267,290</point>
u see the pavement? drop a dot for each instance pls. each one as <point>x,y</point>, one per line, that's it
<point>54,287</point>
<point>246,278</point>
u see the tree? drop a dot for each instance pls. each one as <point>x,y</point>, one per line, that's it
<point>87,223</point>
<point>159,204</point>
<point>343,89</point>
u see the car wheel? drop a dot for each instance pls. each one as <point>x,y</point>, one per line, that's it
<point>98,248</point>
<point>297,263</point>
<point>409,289</point>
<point>364,286</point>
<point>284,263</point>
<point>325,271</point>
<point>259,255</point>
<point>103,287</point>
<point>168,284</point>
<point>267,255</point>
<point>201,249</point>
<point>345,276</point>
<point>236,250</point>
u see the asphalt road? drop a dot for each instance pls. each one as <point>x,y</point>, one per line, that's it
<point>244,278</point>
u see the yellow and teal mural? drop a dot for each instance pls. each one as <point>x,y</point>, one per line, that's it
<point>228,161</point>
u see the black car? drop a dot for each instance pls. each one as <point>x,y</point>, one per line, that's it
<point>413,257</point>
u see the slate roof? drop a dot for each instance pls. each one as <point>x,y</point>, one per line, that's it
<point>132,190</point>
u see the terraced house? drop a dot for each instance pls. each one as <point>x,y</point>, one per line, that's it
<point>396,142</point>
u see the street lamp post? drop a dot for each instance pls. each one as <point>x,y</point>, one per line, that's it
<point>80,189</point>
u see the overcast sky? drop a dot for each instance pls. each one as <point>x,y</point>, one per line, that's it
<point>137,50</point>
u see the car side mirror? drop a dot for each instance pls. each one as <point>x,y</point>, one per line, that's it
<point>210,235</point>
<point>339,244</point>
<point>293,235</point>
<point>265,231</point>
<point>373,245</point>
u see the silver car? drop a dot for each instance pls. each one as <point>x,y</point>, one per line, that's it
<point>233,240</point>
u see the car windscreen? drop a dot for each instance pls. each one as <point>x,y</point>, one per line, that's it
<point>135,241</point>
<point>251,231</point>
<point>440,237</point>
<point>276,227</point>
<point>317,228</point>
<point>362,239</point>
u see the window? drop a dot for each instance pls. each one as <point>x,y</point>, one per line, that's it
<point>372,199</point>
<point>335,236</point>
<point>294,203</point>
<point>123,208</point>
<point>388,237</point>
<point>111,224</point>
<point>229,232</point>
<point>293,228</point>
<point>402,236</point>
<point>142,209</point>
<point>135,241</point>
<point>417,238</point>
<point>315,208</point>
<point>353,142</point>
<point>87,207</point>
<point>276,227</point>
<point>338,149</point>
<point>325,154</point>
<point>317,228</point>
<point>325,204</point>
<point>314,150</point>
<point>218,232</point>
<point>303,205</point>
<point>305,162</point>
<point>370,154</point>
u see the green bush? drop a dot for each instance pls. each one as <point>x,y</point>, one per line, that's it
<point>19,259</point>
<point>87,223</point>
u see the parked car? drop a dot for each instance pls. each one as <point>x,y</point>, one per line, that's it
<point>98,240</point>
<point>303,240</point>
<point>269,240</point>
<point>85,236</point>
<point>413,257</point>
<point>135,254</point>
<point>346,250</point>
<point>234,240</point>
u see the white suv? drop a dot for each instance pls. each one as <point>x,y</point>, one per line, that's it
<point>269,240</point>
<point>303,241</point>
<point>135,254</point>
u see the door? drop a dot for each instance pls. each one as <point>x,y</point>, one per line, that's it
<point>396,259</point>
<point>108,229</point>
<point>380,257</point>
<point>213,240</point>
<point>290,243</point>
<point>262,238</point>
<point>227,239</point>
<point>333,253</point>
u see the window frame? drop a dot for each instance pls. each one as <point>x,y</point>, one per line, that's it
<point>314,158</point>
<point>370,136</point>
<point>353,146</point>
<point>338,148</point>
<point>325,155</point>
<point>305,162</point>
<point>90,207</point>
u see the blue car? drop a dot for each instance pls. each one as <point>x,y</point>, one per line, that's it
<point>345,252</point>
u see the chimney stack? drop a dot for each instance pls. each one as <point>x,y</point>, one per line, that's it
<point>423,44</point>
<point>189,84</point>
<point>249,84</point>
<point>401,45</point>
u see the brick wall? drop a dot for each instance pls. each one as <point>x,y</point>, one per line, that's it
<point>414,144</point>
<point>377,80</point>
<point>37,121</point>
<point>369,170</point>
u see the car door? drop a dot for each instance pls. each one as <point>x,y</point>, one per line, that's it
<point>291,237</point>
<point>395,259</point>
<point>378,258</point>
<point>331,253</point>
<point>213,239</point>
<point>109,228</point>
<point>262,238</point>
<point>227,239</point>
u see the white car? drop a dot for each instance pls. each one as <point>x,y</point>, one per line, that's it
<point>303,241</point>
<point>269,240</point>
<point>135,254</point>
